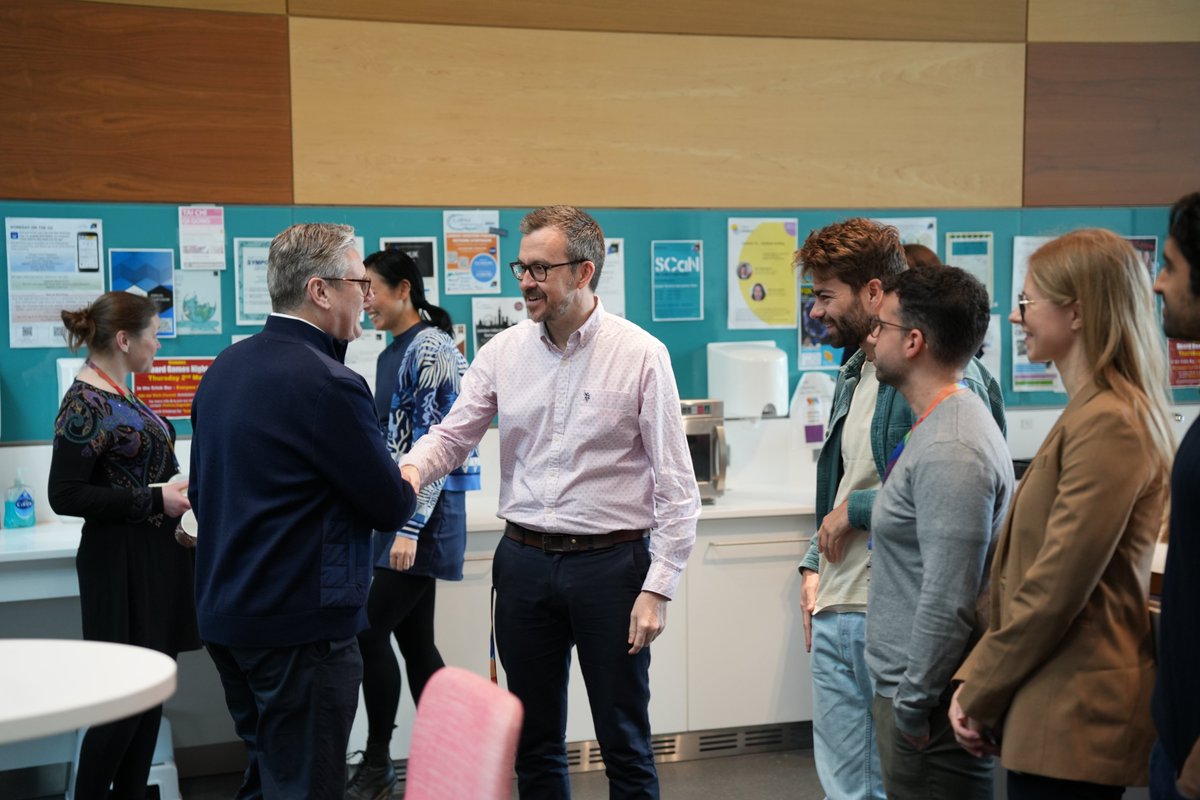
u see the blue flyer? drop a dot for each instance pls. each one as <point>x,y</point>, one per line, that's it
<point>150,273</point>
<point>677,280</point>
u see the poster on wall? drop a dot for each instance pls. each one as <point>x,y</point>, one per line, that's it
<point>472,251</point>
<point>611,288</point>
<point>815,351</point>
<point>490,315</point>
<point>197,302</point>
<point>1147,250</point>
<point>252,301</point>
<point>423,250</point>
<point>761,281</point>
<point>914,230</point>
<point>1184,359</point>
<point>201,237</point>
<point>170,386</point>
<point>972,252</point>
<point>53,264</point>
<point>149,272</point>
<point>1028,376</point>
<point>677,280</point>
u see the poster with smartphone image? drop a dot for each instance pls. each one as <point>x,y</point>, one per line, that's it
<point>53,264</point>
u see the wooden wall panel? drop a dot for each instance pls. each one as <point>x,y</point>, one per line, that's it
<point>936,20</point>
<point>248,6</point>
<point>144,105</point>
<point>437,115</point>
<point>1114,21</point>
<point>1111,124</point>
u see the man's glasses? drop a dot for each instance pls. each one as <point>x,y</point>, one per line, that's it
<point>538,271</point>
<point>364,284</point>
<point>1022,301</point>
<point>877,324</point>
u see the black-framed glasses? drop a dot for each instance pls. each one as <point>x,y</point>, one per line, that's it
<point>1022,301</point>
<point>538,271</point>
<point>876,324</point>
<point>364,284</point>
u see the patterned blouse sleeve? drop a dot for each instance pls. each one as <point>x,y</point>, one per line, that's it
<point>433,376</point>
<point>81,438</point>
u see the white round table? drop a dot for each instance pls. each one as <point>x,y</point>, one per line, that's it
<point>49,686</point>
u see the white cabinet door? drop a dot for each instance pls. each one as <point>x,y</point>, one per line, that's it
<point>746,659</point>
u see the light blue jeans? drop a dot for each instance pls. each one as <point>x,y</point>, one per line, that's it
<point>843,733</point>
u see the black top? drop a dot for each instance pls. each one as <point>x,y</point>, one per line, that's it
<point>135,580</point>
<point>1176,700</point>
<point>387,367</point>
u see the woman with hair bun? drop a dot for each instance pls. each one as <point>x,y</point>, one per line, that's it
<point>112,456</point>
<point>1059,685</point>
<point>417,381</point>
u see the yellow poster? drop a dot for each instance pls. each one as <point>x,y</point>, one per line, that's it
<point>762,283</point>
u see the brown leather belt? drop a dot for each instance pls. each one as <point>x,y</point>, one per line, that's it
<point>570,542</point>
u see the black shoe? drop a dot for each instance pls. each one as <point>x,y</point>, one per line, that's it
<point>373,779</point>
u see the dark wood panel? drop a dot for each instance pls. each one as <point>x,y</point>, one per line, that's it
<point>915,20</point>
<point>1111,124</point>
<point>122,103</point>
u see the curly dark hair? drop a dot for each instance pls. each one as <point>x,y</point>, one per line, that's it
<point>853,251</point>
<point>1184,228</point>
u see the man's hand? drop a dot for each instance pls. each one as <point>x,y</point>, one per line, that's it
<point>413,476</point>
<point>403,553</point>
<point>810,582</point>
<point>968,732</point>
<point>834,532</point>
<point>647,620</point>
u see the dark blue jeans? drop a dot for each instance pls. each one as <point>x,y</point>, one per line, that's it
<point>1162,775</point>
<point>545,603</point>
<point>293,707</point>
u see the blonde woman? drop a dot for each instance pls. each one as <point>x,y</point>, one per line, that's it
<point>1060,683</point>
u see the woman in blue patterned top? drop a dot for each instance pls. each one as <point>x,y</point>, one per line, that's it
<point>111,457</point>
<point>417,382</point>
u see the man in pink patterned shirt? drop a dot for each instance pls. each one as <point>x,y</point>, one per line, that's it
<point>599,498</point>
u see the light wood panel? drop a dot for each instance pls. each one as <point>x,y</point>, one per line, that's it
<point>144,104</point>
<point>248,6</point>
<point>439,115</point>
<point>937,20</point>
<point>1111,124</point>
<point>1114,21</point>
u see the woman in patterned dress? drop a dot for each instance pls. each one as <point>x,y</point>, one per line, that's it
<point>135,579</point>
<point>417,383</point>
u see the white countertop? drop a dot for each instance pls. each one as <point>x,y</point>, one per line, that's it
<point>61,539</point>
<point>52,685</point>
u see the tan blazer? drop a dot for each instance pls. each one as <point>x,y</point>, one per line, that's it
<point>1065,669</point>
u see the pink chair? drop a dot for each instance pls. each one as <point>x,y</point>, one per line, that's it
<point>464,739</point>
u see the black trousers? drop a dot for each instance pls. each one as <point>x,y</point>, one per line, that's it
<point>1023,786</point>
<point>118,753</point>
<point>399,605</point>
<point>293,708</point>
<point>545,603</point>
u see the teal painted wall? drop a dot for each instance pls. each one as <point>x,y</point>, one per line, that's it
<point>28,377</point>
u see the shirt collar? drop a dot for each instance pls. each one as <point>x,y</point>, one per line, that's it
<point>581,337</point>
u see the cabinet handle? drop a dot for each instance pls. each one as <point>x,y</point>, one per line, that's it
<point>477,558</point>
<point>801,540</point>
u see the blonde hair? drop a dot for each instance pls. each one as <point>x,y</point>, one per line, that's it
<point>1121,339</point>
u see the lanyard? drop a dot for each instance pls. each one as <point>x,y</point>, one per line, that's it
<point>131,398</point>
<point>953,388</point>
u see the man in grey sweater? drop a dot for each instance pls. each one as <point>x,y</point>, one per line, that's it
<point>946,490</point>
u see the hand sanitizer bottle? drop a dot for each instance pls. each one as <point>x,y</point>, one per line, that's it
<point>18,504</point>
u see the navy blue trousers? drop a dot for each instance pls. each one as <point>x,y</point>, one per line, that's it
<point>545,603</point>
<point>293,707</point>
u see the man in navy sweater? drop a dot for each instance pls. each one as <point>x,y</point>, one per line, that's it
<point>289,475</point>
<point>1175,760</point>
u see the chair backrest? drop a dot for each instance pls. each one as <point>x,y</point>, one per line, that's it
<point>464,739</point>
